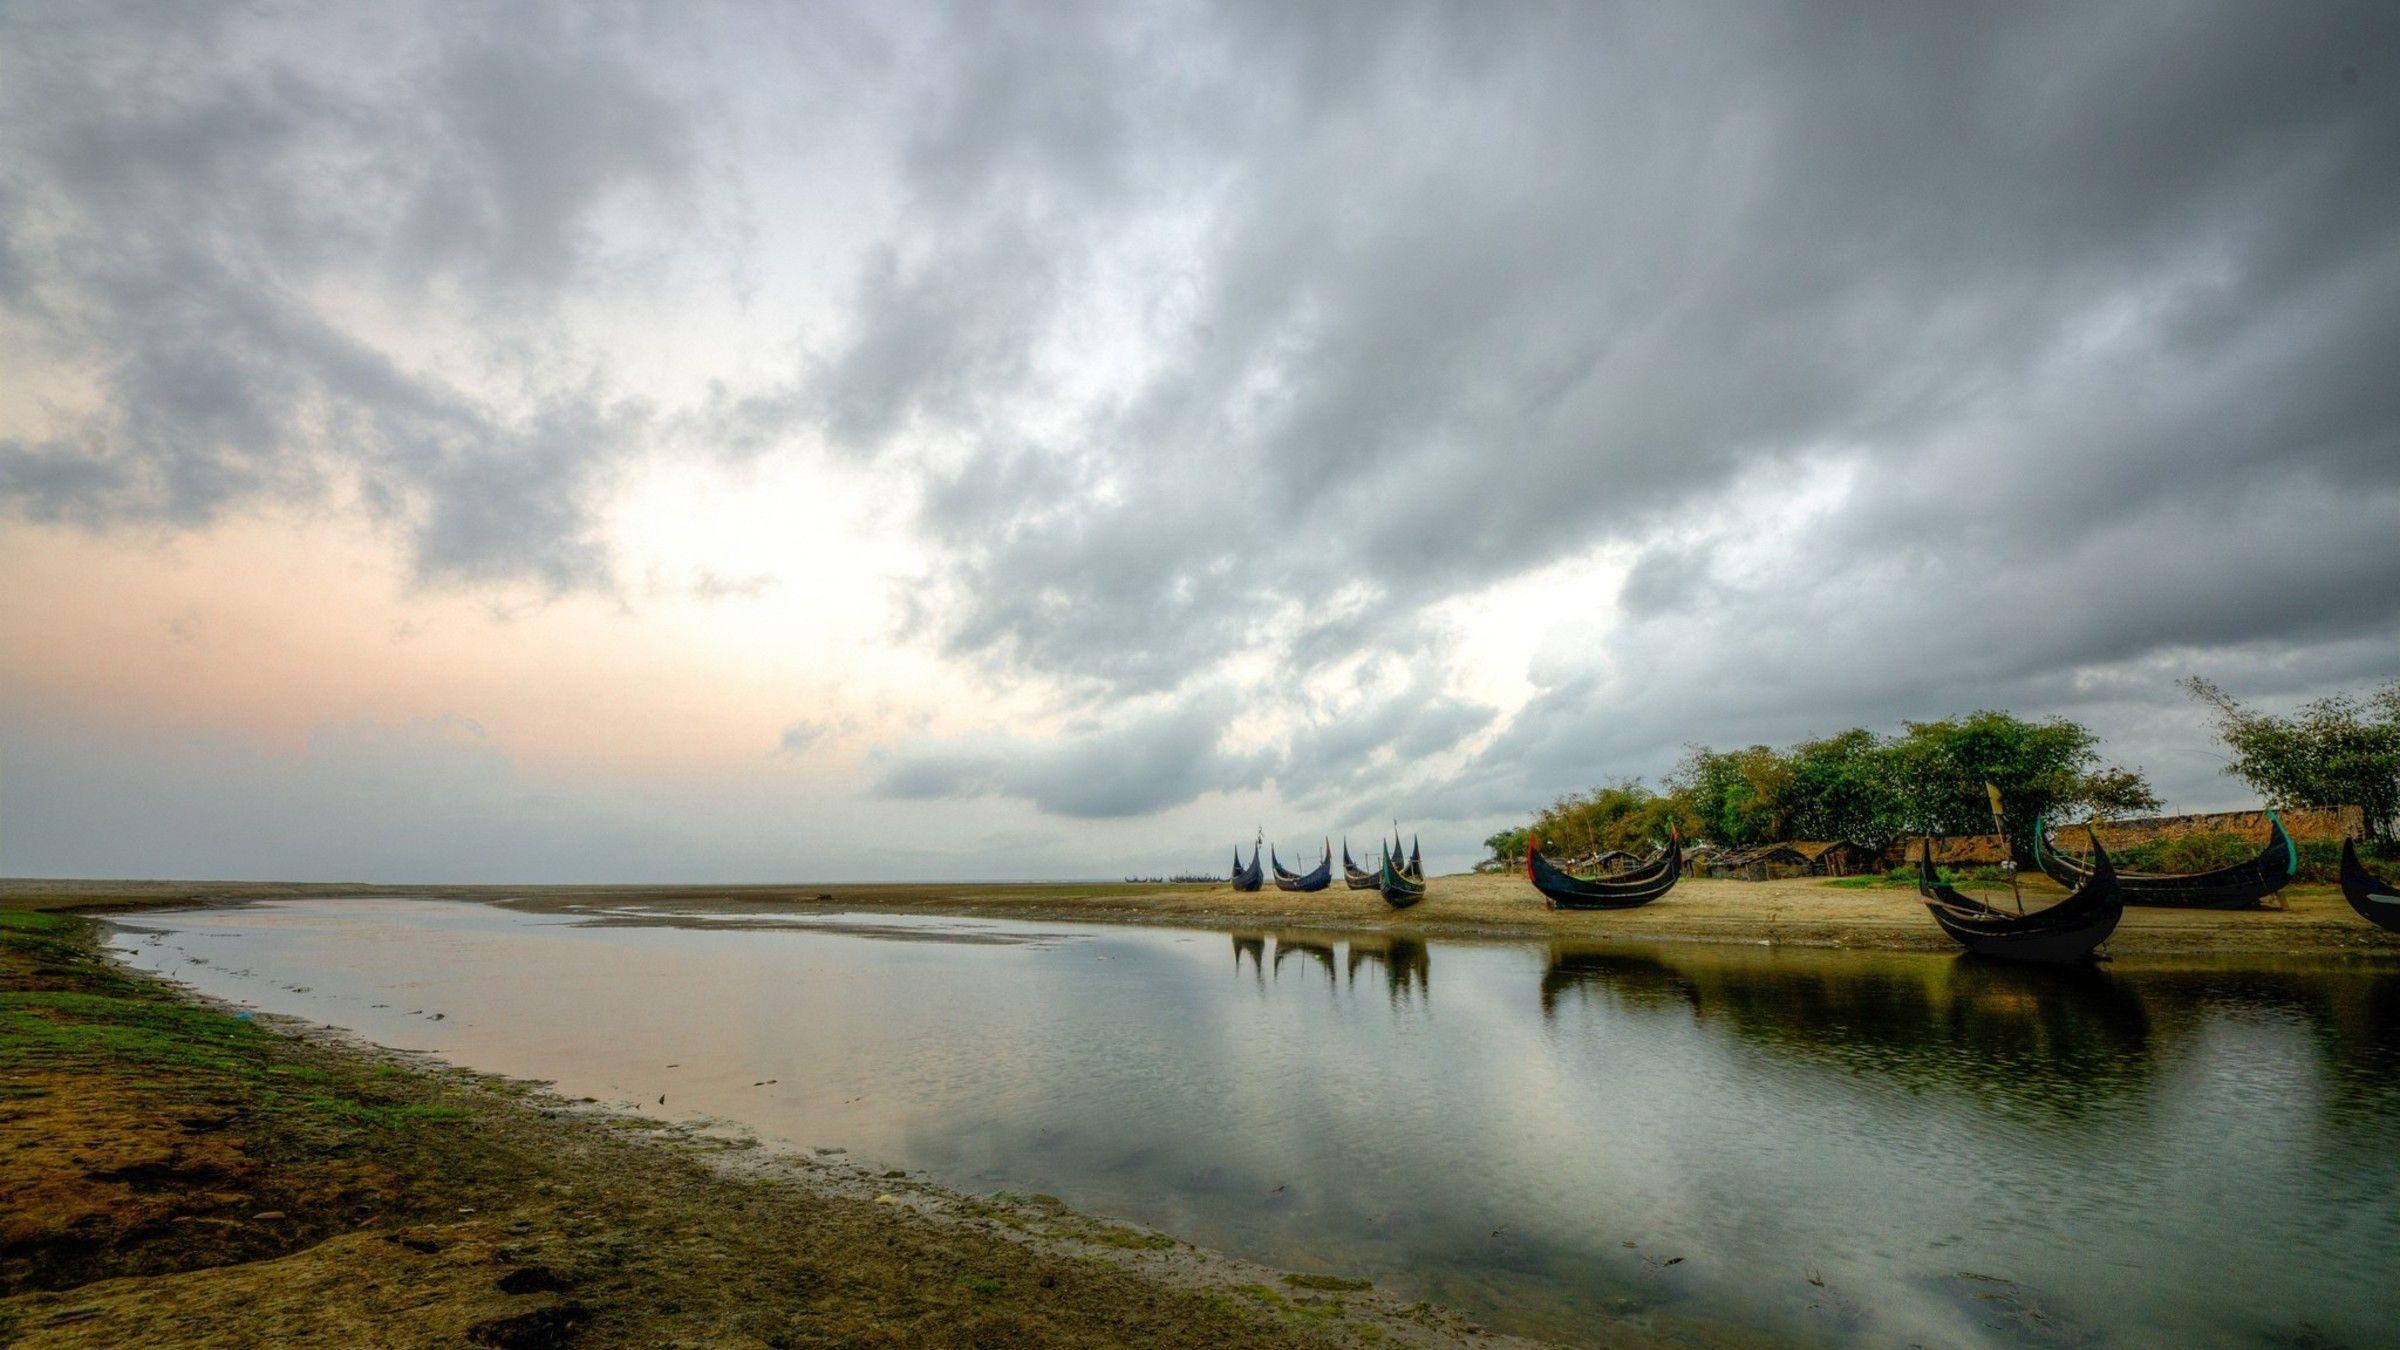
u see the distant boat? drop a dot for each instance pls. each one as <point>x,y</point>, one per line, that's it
<point>1562,889</point>
<point>2066,931</point>
<point>1317,879</point>
<point>1248,878</point>
<point>1399,889</point>
<point>1353,875</point>
<point>2237,887</point>
<point>2374,898</point>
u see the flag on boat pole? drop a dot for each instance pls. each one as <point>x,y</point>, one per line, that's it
<point>2000,827</point>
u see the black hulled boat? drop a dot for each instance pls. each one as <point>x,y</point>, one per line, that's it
<point>1562,889</point>
<point>2066,931</point>
<point>2240,886</point>
<point>1354,876</point>
<point>1247,878</point>
<point>1316,879</point>
<point>2376,900</point>
<point>1400,890</point>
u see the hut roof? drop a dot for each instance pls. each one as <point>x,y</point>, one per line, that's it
<point>1764,853</point>
<point>1813,849</point>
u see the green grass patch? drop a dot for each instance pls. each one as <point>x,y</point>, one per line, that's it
<point>381,1115</point>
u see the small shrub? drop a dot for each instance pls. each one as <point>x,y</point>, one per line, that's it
<point>2189,853</point>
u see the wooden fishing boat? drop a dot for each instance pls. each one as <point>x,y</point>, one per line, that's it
<point>1316,879</point>
<point>1562,889</point>
<point>1354,876</point>
<point>2376,900</point>
<point>2066,931</point>
<point>1247,878</point>
<point>1416,861</point>
<point>2240,886</point>
<point>1399,889</point>
<point>1658,864</point>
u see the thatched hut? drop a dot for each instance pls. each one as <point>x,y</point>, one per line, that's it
<point>1760,863</point>
<point>1794,858</point>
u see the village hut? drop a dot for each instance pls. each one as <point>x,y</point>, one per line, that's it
<point>1613,860</point>
<point>1760,863</point>
<point>1834,857</point>
<point>1794,858</point>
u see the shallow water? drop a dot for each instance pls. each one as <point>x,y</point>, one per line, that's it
<point>1831,1146</point>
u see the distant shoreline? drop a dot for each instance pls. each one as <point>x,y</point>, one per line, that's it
<point>1802,912</point>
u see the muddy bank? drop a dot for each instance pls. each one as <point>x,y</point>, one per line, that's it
<point>2311,920</point>
<point>172,1172</point>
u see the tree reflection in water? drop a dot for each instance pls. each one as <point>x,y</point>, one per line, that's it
<point>2059,1040</point>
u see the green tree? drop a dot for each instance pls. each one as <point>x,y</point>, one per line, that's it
<point>1732,797</point>
<point>1508,847</point>
<point>1838,787</point>
<point>2340,750</point>
<point>1937,772</point>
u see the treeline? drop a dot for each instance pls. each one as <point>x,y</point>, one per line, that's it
<point>2343,750</point>
<point>1870,789</point>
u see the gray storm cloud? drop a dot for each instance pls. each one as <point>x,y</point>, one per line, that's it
<point>1206,335</point>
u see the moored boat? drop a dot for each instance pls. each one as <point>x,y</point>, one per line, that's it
<point>1354,876</point>
<point>2066,931</point>
<point>1315,879</point>
<point>2240,886</point>
<point>1252,877</point>
<point>1399,889</point>
<point>2376,900</point>
<point>1562,889</point>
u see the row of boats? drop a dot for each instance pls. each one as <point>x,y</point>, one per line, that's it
<point>1400,877</point>
<point>2068,930</point>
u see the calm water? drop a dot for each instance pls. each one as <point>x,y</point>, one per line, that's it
<point>1840,1147</point>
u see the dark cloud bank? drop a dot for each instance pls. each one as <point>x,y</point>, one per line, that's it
<point>1918,358</point>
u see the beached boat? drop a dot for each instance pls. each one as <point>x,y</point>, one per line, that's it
<point>2066,931</point>
<point>1247,878</point>
<point>2237,887</point>
<point>1399,889</point>
<point>2376,900</point>
<point>1658,864</point>
<point>1416,861</point>
<point>1354,876</point>
<point>1316,879</point>
<point>1562,889</point>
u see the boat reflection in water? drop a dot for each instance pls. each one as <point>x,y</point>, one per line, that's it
<point>1406,963</point>
<point>1308,949</point>
<point>1254,946</point>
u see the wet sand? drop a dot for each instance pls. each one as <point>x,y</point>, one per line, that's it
<point>1804,912</point>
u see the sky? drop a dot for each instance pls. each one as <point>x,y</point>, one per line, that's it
<point>658,442</point>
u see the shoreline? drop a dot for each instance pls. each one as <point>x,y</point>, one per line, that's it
<point>1801,912</point>
<point>185,1171</point>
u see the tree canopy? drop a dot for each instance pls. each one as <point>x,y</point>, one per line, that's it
<point>2341,750</point>
<point>1856,785</point>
